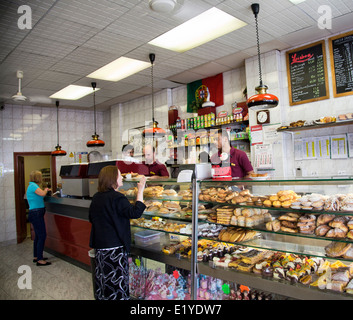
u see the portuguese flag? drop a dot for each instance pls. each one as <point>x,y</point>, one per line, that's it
<point>197,92</point>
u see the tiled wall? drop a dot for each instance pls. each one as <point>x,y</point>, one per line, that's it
<point>275,77</point>
<point>28,129</point>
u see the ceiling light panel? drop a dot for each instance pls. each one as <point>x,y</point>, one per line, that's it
<point>72,92</point>
<point>201,29</point>
<point>119,69</point>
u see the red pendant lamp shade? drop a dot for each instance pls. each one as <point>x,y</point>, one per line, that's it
<point>154,130</point>
<point>262,98</point>
<point>58,152</point>
<point>95,141</point>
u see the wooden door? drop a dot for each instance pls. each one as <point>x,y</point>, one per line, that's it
<point>21,220</point>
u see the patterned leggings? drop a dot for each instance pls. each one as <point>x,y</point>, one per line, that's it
<point>112,274</point>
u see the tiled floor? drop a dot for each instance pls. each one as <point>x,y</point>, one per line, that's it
<point>59,281</point>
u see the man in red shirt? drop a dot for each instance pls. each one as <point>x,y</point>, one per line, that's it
<point>238,160</point>
<point>155,169</point>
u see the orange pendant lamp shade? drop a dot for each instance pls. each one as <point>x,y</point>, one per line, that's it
<point>262,99</point>
<point>154,130</point>
<point>58,152</point>
<point>95,141</point>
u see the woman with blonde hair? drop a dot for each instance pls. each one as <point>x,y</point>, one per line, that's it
<point>110,213</point>
<point>35,197</point>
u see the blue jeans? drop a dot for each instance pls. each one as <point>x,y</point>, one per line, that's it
<point>36,217</point>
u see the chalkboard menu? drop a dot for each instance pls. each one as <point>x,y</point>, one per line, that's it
<point>307,74</point>
<point>341,53</point>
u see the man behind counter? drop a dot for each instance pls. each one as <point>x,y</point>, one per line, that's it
<point>155,169</point>
<point>239,161</point>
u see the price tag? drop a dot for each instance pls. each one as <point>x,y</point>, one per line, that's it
<point>137,262</point>
<point>225,288</point>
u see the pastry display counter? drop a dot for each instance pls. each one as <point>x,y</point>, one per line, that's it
<point>291,237</point>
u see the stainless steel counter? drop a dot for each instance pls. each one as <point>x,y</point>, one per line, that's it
<point>69,207</point>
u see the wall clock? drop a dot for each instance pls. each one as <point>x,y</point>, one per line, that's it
<point>263,116</point>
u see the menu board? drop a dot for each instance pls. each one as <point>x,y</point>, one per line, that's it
<point>341,53</point>
<point>307,74</point>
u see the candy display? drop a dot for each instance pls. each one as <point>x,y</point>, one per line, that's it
<point>151,284</point>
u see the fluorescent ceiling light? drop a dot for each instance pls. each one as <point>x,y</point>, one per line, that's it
<point>72,92</point>
<point>203,28</point>
<point>297,1</point>
<point>119,69</point>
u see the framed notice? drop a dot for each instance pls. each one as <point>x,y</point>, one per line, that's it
<point>341,54</point>
<point>307,74</point>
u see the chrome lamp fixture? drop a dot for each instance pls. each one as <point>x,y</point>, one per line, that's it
<point>262,99</point>
<point>58,152</point>
<point>95,141</point>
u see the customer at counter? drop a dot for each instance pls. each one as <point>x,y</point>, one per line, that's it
<point>237,159</point>
<point>35,197</point>
<point>110,213</point>
<point>155,169</point>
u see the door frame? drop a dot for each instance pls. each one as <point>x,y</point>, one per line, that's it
<point>21,226</point>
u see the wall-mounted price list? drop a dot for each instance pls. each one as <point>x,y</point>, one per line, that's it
<point>341,54</point>
<point>307,74</point>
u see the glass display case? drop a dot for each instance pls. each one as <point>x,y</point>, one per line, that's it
<point>290,237</point>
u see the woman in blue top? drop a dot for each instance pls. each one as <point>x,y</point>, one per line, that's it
<point>35,198</point>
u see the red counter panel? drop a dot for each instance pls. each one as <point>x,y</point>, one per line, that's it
<point>68,236</point>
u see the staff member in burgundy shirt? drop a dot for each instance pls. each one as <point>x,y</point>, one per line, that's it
<point>155,169</point>
<point>239,161</point>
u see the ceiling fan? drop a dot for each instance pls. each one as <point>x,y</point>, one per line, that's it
<point>19,96</point>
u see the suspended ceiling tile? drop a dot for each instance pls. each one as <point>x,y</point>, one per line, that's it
<point>90,57</point>
<point>73,67</point>
<point>64,31</point>
<point>344,23</point>
<point>112,43</point>
<point>234,60</point>
<point>59,77</point>
<point>186,77</point>
<point>210,69</point>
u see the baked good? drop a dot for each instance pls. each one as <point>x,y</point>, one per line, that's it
<point>276,225</point>
<point>307,279</point>
<point>349,287</point>
<point>348,254</point>
<point>288,217</point>
<point>291,230</point>
<point>277,204</point>
<point>267,203</point>
<point>307,218</point>
<point>322,230</point>
<point>350,234</point>
<point>289,224</point>
<point>324,219</point>
<point>337,249</point>
<point>350,224</point>
<point>336,233</point>
<point>286,204</point>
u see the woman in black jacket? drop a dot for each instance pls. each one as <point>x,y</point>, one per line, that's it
<point>110,213</point>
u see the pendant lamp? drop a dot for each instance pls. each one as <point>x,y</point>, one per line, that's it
<point>262,99</point>
<point>95,141</point>
<point>154,130</point>
<point>58,152</point>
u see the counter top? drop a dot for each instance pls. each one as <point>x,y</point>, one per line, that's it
<point>69,207</point>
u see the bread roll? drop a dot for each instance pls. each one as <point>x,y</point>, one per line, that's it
<point>324,219</point>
